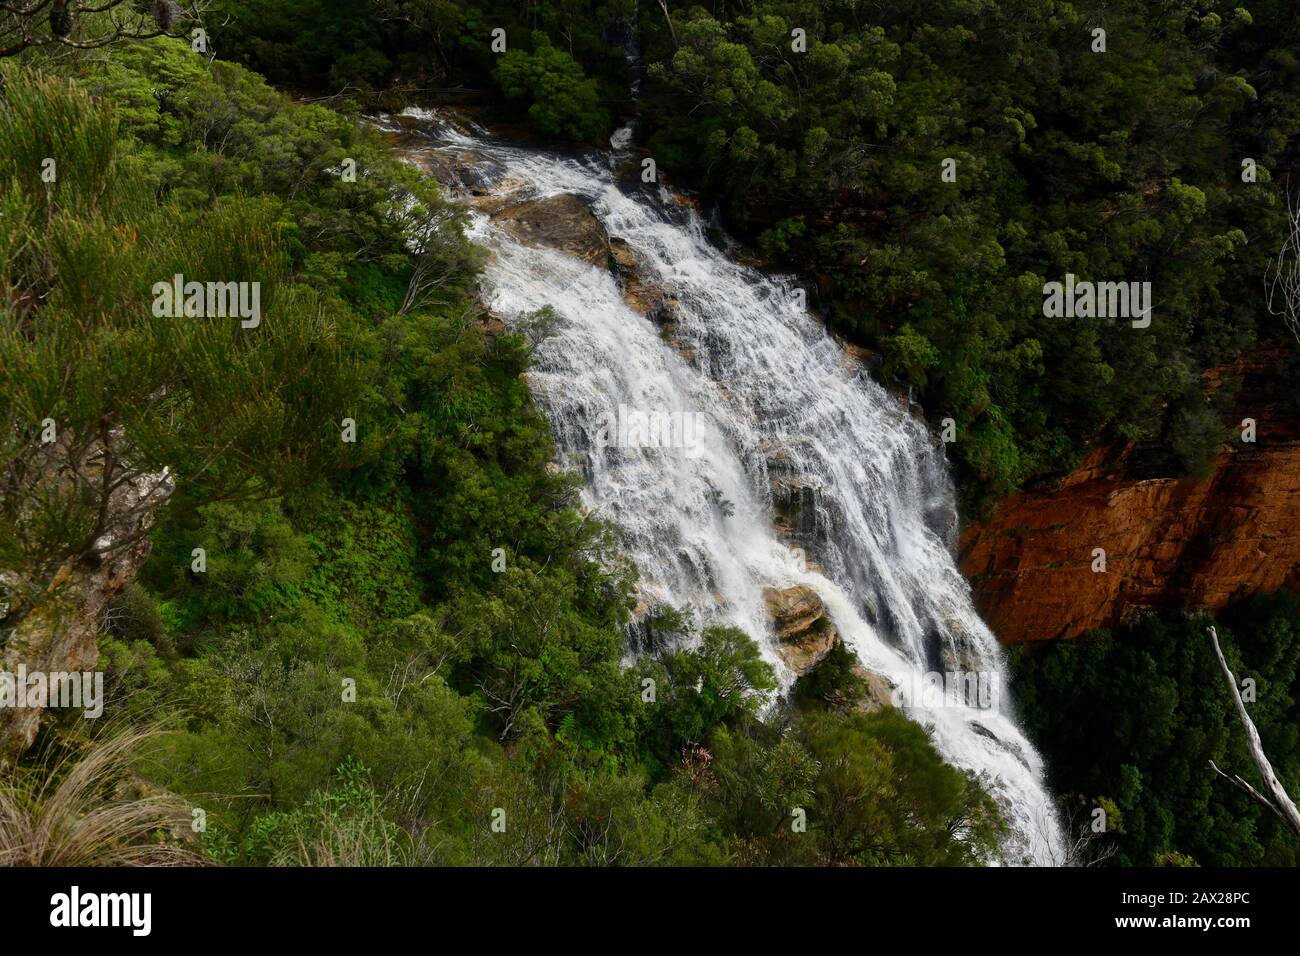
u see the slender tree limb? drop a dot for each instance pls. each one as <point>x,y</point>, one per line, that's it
<point>1280,801</point>
<point>1282,276</point>
<point>663,5</point>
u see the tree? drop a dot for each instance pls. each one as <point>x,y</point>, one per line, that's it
<point>89,24</point>
<point>1277,800</point>
<point>1282,277</point>
<point>110,404</point>
<point>721,680</point>
<point>564,102</point>
<point>1129,721</point>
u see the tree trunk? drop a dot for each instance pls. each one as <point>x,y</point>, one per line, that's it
<point>1277,799</point>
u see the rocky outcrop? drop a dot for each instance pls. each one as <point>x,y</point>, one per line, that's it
<point>804,633</point>
<point>794,497</point>
<point>56,629</point>
<point>504,192</point>
<point>448,166</point>
<point>1167,541</point>
<point>639,292</point>
<point>878,691</point>
<point>643,294</point>
<point>560,222</point>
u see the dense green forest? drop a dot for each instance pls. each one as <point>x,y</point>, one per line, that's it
<point>1123,164</point>
<point>1131,719</point>
<point>399,638</point>
<point>396,638</point>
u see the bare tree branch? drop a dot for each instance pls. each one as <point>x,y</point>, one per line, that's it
<point>1280,801</point>
<point>1282,277</point>
<point>663,5</point>
<point>43,23</point>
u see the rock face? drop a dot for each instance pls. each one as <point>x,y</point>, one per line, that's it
<point>640,294</point>
<point>878,691</point>
<point>59,633</point>
<point>794,499</point>
<point>560,222</point>
<point>804,634</point>
<point>1167,541</point>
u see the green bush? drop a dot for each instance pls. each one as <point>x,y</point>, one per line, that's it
<point>562,101</point>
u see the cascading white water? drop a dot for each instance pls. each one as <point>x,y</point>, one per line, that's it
<point>768,399</point>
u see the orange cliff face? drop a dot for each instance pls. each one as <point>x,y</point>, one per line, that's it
<point>1168,542</point>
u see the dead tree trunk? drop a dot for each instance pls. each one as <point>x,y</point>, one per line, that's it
<point>1277,800</point>
<point>663,5</point>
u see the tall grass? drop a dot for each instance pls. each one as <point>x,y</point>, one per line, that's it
<point>77,810</point>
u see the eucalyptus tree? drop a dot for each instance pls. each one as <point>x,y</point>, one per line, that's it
<point>112,407</point>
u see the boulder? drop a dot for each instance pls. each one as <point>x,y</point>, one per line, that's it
<point>491,324</point>
<point>805,635</point>
<point>560,222</point>
<point>506,191</point>
<point>879,690</point>
<point>445,165</point>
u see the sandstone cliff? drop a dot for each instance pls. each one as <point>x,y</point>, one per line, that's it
<point>1167,541</point>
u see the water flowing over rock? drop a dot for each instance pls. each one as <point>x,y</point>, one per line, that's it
<point>639,291</point>
<point>561,222</point>
<point>750,388</point>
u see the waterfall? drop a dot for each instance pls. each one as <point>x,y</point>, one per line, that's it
<point>784,464</point>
